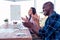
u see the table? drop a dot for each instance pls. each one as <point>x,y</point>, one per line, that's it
<point>17,34</point>
<point>14,32</point>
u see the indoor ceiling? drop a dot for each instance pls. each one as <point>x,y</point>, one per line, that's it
<point>16,0</point>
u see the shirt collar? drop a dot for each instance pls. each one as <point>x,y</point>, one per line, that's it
<point>53,13</point>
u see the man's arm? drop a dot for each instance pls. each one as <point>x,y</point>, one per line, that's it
<point>32,27</point>
<point>36,30</point>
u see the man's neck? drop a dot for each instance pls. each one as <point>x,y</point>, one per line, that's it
<point>51,12</point>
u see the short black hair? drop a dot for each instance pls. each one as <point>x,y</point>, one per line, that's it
<point>50,3</point>
<point>33,10</point>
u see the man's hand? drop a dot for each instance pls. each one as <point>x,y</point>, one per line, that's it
<point>32,27</point>
<point>24,19</point>
<point>28,24</point>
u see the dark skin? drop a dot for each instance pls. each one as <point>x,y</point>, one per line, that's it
<point>47,9</point>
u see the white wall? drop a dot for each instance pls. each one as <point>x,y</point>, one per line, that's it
<point>25,5</point>
<point>5,9</point>
<point>57,6</point>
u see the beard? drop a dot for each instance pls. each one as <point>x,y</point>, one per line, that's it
<point>46,13</point>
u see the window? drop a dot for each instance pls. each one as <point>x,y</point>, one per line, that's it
<point>15,12</point>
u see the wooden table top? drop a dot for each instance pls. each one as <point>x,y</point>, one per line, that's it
<point>14,32</point>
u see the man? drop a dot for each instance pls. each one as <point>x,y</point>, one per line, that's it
<point>51,29</point>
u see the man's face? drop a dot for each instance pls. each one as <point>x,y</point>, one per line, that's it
<point>46,9</point>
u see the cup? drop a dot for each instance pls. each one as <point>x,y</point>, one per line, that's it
<point>15,24</point>
<point>6,23</point>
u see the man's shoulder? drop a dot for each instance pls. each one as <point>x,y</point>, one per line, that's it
<point>55,15</point>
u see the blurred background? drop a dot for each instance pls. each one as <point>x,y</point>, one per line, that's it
<point>13,10</point>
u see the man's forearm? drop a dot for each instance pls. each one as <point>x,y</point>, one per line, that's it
<point>36,30</point>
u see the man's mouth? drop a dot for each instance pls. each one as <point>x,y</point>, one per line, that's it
<point>45,13</point>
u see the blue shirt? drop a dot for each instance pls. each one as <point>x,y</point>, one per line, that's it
<point>51,30</point>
